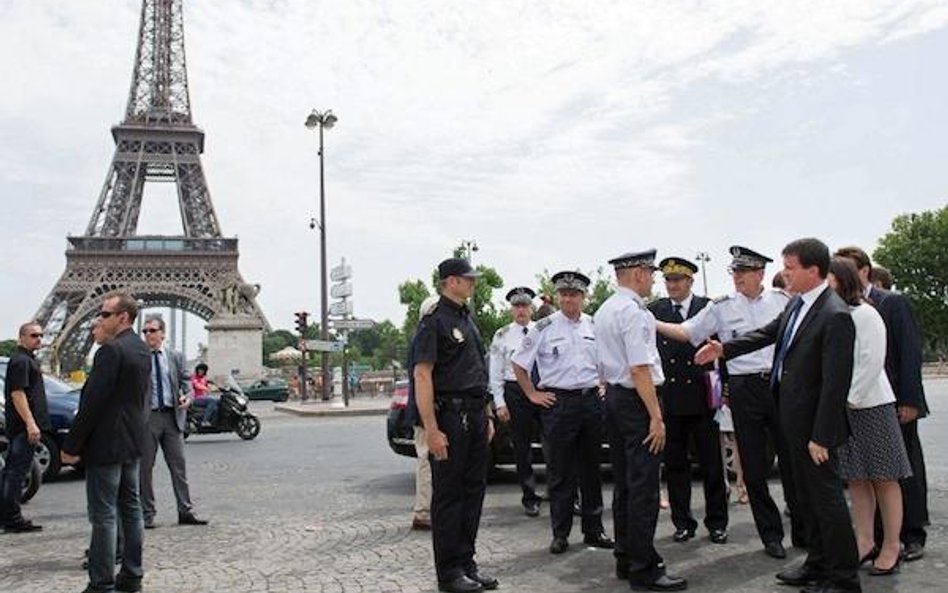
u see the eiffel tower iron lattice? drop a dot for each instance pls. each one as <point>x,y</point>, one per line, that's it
<point>157,141</point>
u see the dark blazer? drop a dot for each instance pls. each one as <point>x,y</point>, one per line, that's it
<point>817,370</point>
<point>685,392</point>
<point>110,424</point>
<point>903,354</point>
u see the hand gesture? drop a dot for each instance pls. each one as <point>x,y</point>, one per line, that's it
<point>656,436</point>
<point>818,453</point>
<point>33,433</point>
<point>711,351</point>
<point>544,399</point>
<point>437,444</point>
<point>906,413</point>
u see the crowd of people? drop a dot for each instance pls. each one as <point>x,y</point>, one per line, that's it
<point>823,369</point>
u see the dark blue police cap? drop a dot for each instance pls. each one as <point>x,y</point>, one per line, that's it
<point>456,266</point>
<point>567,280</point>
<point>520,295</point>
<point>748,259</point>
<point>639,259</point>
<point>677,266</point>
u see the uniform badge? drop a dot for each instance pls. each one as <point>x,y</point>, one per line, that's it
<point>527,342</point>
<point>458,336</point>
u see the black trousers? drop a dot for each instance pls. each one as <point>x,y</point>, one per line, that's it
<point>831,543</point>
<point>457,490</point>
<point>524,423</point>
<point>573,431</point>
<point>679,433</point>
<point>754,411</point>
<point>635,497</point>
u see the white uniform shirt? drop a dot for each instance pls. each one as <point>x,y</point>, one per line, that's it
<point>564,351</point>
<point>625,338</point>
<point>506,341</point>
<point>735,315</point>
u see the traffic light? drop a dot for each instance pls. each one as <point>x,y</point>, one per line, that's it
<point>301,323</point>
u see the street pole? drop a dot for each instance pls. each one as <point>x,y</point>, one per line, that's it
<point>322,120</point>
<point>704,258</point>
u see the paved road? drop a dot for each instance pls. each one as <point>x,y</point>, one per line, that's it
<point>323,505</point>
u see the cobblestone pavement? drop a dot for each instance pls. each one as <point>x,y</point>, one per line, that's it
<point>323,505</point>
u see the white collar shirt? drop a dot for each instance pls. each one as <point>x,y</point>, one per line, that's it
<point>625,338</point>
<point>161,374</point>
<point>563,350</point>
<point>733,316</point>
<point>506,341</point>
<point>809,297</point>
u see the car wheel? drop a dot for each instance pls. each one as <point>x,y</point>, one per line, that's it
<point>32,483</point>
<point>248,427</point>
<point>46,454</point>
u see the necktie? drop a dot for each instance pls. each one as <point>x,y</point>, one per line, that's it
<point>525,330</point>
<point>161,388</point>
<point>677,308</point>
<point>785,342</point>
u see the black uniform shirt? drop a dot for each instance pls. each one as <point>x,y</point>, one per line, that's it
<point>449,339</point>
<point>24,374</point>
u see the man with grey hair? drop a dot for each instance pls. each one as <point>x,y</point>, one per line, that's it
<point>167,419</point>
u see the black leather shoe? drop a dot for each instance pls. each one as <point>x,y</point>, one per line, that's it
<point>662,583</point>
<point>913,551</point>
<point>622,570</point>
<point>775,549</point>
<point>22,526</point>
<point>487,582</point>
<point>801,576</point>
<point>599,540</point>
<point>149,522</point>
<point>875,571</point>
<point>532,508</point>
<point>558,545</point>
<point>718,536</point>
<point>683,535</point>
<point>461,584</point>
<point>190,519</point>
<point>124,582</point>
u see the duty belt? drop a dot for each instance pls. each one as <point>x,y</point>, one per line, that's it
<point>762,375</point>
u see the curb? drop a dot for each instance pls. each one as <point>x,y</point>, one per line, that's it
<point>298,410</point>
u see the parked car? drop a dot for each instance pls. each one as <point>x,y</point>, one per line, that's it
<point>63,403</point>
<point>272,389</point>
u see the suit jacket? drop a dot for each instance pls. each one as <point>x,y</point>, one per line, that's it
<point>816,373</point>
<point>180,380</point>
<point>903,353</point>
<point>685,392</point>
<point>110,424</point>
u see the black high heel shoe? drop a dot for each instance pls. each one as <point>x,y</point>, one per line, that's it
<point>870,555</point>
<point>875,571</point>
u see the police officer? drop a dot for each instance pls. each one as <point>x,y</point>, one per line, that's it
<point>563,346</point>
<point>510,403</point>
<point>630,366</point>
<point>451,388</point>
<point>688,416</point>
<point>752,405</point>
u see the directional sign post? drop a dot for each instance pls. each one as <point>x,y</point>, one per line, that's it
<point>324,346</point>
<point>352,324</point>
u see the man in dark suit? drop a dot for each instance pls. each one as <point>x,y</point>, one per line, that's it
<point>812,372</point>
<point>108,433</point>
<point>167,412</point>
<point>684,397</point>
<point>903,366</point>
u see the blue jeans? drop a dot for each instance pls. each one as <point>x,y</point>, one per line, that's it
<point>19,460</point>
<point>111,491</point>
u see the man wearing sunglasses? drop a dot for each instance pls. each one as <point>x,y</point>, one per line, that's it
<point>108,434</point>
<point>26,418</point>
<point>167,419</point>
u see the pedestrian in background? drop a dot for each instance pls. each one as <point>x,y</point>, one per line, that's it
<point>27,417</point>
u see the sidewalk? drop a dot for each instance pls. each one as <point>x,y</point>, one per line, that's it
<point>358,406</point>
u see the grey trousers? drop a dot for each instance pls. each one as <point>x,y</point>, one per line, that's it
<point>163,432</point>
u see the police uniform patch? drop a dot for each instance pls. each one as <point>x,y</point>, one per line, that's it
<point>543,323</point>
<point>721,299</point>
<point>457,335</point>
<point>527,342</point>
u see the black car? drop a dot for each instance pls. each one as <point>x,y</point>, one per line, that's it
<point>63,403</point>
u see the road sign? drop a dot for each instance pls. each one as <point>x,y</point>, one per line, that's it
<point>353,323</point>
<point>340,272</point>
<point>324,346</point>
<point>340,308</point>
<point>341,290</point>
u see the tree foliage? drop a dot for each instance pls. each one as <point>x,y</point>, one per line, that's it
<point>916,252</point>
<point>7,347</point>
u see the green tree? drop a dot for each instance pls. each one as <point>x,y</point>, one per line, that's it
<point>916,252</point>
<point>275,341</point>
<point>7,347</point>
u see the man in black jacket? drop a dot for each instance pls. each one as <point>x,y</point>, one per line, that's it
<point>812,371</point>
<point>108,435</point>
<point>688,416</point>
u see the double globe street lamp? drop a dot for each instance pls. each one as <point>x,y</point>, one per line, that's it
<point>323,120</point>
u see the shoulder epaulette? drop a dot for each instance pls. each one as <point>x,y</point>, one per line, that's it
<point>543,324</point>
<point>500,332</point>
<point>721,299</point>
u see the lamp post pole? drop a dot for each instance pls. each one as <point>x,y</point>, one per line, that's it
<point>704,258</point>
<point>322,120</point>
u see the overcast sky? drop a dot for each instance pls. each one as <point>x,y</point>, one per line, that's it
<point>556,134</point>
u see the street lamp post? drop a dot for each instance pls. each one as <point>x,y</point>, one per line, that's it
<point>469,247</point>
<point>704,258</point>
<point>322,120</point>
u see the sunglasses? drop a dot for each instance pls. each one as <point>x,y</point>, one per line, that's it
<point>36,335</point>
<point>150,330</point>
<point>106,314</point>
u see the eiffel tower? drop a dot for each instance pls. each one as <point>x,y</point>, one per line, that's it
<point>157,142</point>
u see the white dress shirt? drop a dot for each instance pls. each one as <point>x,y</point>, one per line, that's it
<point>735,315</point>
<point>163,375</point>
<point>564,351</point>
<point>625,338</point>
<point>506,341</point>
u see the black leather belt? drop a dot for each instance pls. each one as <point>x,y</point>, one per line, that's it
<point>460,404</point>
<point>762,375</point>
<point>585,391</point>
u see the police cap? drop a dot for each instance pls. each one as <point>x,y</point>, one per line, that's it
<point>639,259</point>
<point>456,266</point>
<point>570,281</point>
<point>520,295</point>
<point>747,259</point>
<point>677,266</point>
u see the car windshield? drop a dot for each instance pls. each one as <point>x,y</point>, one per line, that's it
<point>53,385</point>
